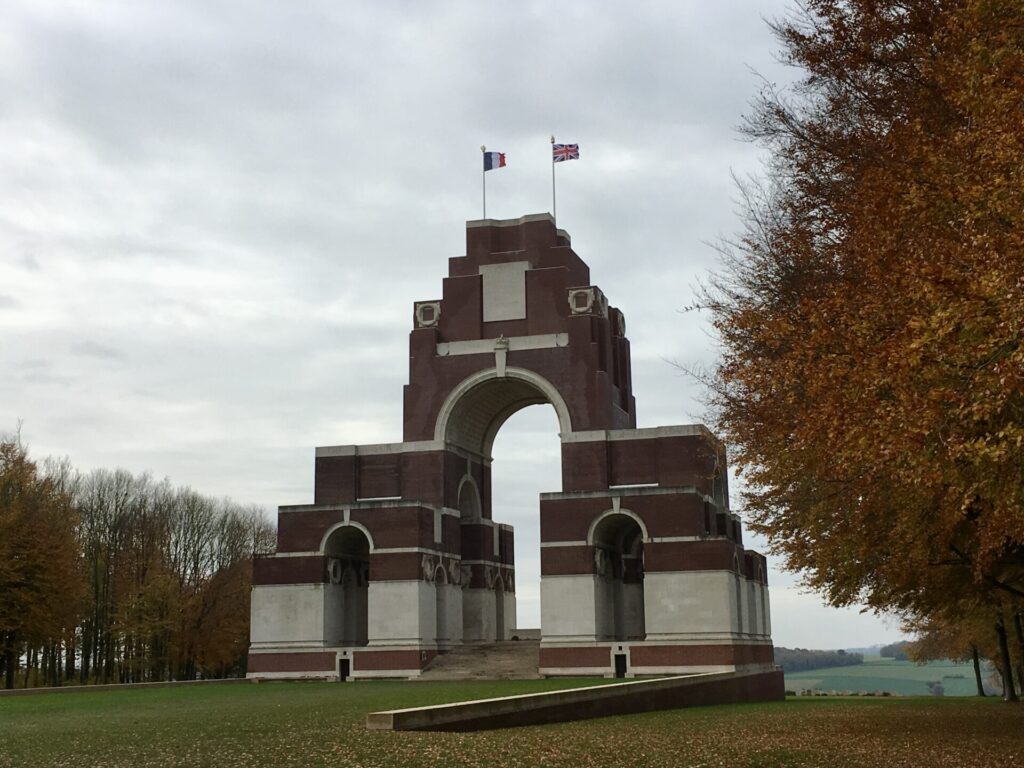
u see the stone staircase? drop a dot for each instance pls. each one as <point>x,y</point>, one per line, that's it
<point>509,660</point>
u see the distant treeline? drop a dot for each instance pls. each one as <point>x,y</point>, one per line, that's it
<point>897,651</point>
<point>113,577</point>
<point>801,659</point>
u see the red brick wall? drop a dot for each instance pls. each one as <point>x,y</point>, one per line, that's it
<point>587,656</point>
<point>288,570</point>
<point>291,662</point>
<point>699,655</point>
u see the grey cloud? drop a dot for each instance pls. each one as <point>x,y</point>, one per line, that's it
<point>90,348</point>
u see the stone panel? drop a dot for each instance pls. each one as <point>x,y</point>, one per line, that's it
<point>689,604</point>
<point>287,614</point>
<point>567,608</point>
<point>401,612</point>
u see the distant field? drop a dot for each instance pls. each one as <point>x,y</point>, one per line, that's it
<point>321,724</point>
<point>877,674</point>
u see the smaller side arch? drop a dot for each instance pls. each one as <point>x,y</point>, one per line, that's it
<point>345,524</point>
<point>621,511</point>
<point>346,548</point>
<point>470,504</point>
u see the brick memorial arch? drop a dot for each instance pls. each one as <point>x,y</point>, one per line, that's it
<point>398,558</point>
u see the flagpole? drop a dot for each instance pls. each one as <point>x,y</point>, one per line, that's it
<point>554,203</point>
<point>483,178</point>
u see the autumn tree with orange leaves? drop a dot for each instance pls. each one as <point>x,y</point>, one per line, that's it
<point>112,577</point>
<point>871,312</point>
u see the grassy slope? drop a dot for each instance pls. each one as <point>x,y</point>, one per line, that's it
<point>321,724</point>
<point>877,674</point>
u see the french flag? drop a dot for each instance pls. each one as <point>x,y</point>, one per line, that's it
<point>494,160</point>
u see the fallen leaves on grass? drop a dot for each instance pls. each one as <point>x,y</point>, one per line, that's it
<point>322,725</point>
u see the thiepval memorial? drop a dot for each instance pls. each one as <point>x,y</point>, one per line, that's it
<point>398,558</point>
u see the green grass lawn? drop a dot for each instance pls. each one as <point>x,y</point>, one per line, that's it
<point>321,724</point>
<point>876,674</point>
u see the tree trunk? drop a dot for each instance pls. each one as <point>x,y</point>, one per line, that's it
<point>1005,667</point>
<point>69,659</point>
<point>31,657</point>
<point>1018,626</point>
<point>10,661</point>
<point>977,670</point>
<point>83,643</point>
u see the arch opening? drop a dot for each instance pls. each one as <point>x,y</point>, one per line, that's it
<point>346,593</point>
<point>619,578</point>
<point>476,409</point>
<point>527,462</point>
<point>470,507</point>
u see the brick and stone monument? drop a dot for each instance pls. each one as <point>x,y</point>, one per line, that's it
<point>398,559</point>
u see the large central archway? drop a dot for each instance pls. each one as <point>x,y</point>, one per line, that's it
<point>471,419</point>
<point>473,413</point>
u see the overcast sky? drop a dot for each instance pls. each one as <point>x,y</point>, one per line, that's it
<point>215,217</point>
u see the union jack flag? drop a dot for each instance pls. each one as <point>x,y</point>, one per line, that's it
<point>563,152</point>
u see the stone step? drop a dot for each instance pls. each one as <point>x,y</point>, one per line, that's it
<point>509,660</point>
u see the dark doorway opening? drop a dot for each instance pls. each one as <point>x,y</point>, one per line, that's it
<point>620,665</point>
<point>344,669</point>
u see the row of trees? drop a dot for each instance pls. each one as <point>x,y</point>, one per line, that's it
<point>898,651</point>
<point>872,314</point>
<point>802,659</point>
<point>113,577</point>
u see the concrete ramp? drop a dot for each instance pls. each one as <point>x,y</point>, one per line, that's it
<point>584,703</point>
